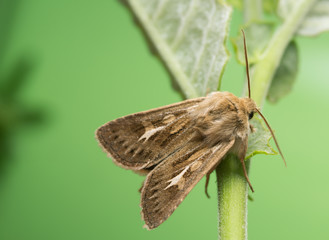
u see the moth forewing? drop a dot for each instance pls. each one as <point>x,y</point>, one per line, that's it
<point>168,183</point>
<point>140,140</point>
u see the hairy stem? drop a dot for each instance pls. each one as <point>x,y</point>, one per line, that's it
<point>232,187</point>
<point>232,199</point>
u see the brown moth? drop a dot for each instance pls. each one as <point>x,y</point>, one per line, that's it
<point>178,144</point>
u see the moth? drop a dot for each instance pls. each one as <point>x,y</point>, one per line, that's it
<point>178,144</point>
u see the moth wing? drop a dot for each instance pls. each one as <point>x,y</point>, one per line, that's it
<point>141,140</point>
<point>167,184</point>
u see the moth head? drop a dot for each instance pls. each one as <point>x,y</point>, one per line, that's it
<point>250,106</point>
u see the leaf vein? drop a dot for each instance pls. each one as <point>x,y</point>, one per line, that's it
<point>179,36</point>
<point>204,37</point>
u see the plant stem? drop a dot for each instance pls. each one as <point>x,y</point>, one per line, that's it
<point>232,187</point>
<point>264,70</point>
<point>232,198</point>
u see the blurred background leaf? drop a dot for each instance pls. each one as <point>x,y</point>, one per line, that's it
<point>270,6</point>
<point>14,112</point>
<point>317,20</point>
<point>285,74</point>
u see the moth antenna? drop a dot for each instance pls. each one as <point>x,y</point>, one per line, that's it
<point>246,58</point>
<point>276,142</point>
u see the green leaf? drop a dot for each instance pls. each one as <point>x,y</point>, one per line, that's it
<point>190,38</point>
<point>286,6</point>
<point>285,75</point>
<point>258,141</point>
<point>270,6</point>
<point>235,3</point>
<point>258,35</point>
<point>317,20</point>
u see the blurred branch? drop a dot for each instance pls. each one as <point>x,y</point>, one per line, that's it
<point>14,112</point>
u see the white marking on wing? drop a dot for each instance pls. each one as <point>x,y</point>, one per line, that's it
<point>176,179</point>
<point>150,133</point>
<point>216,148</point>
<point>169,119</point>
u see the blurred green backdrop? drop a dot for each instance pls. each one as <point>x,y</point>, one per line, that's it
<point>85,63</point>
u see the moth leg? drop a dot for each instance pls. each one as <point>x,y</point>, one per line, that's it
<point>140,189</point>
<point>245,174</point>
<point>250,198</point>
<point>252,129</point>
<point>207,182</point>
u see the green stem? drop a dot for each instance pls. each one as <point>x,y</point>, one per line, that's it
<point>232,199</point>
<point>232,187</point>
<point>264,70</point>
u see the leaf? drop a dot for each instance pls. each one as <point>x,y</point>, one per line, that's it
<point>258,35</point>
<point>190,37</point>
<point>285,7</point>
<point>235,3</point>
<point>270,6</point>
<point>317,20</point>
<point>314,23</point>
<point>285,75</point>
<point>258,141</point>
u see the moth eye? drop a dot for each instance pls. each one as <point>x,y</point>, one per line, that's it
<point>251,115</point>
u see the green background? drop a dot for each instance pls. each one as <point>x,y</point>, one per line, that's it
<point>88,64</point>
